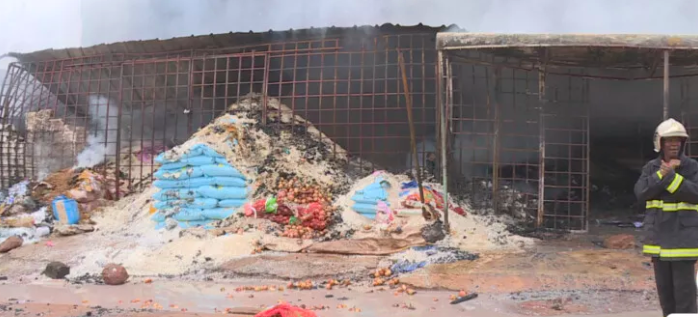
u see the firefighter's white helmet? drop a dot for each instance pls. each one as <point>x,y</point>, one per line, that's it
<point>668,128</point>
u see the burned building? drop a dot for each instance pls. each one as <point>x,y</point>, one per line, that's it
<point>517,120</point>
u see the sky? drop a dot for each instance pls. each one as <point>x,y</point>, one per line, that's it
<point>30,25</point>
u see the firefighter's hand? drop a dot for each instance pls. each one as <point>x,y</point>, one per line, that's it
<point>665,169</point>
<point>674,163</point>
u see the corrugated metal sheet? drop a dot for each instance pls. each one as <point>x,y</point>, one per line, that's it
<point>221,41</point>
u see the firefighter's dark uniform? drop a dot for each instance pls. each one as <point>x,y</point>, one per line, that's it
<point>671,223</point>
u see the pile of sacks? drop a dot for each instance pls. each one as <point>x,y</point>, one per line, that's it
<point>197,186</point>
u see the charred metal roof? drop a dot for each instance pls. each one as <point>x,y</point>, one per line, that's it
<point>222,41</point>
<point>458,40</point>
<point>596,50</point>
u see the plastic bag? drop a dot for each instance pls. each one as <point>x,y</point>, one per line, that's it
<point>312,216</point>
<point>175,194</point>
<point>383,213</point>
<point>286,310</point>
<point>182,173</point>
<point>220,192</point>
<point>255,209</point>
<point>221,170</point>
<point>270,205</point>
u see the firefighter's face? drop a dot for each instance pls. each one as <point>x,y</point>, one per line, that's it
<point>671,146</point>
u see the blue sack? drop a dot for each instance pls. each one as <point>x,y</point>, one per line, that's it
<point>231,203</point>
<point>361,199</point>
<point>222,192</point>
<point>202,160</point>
<point>182,173</point>
<point>175,194</point>
<point>158,217</point>
<point>371,193</point>
<point>221,170</point>
<point>196,150</point>
<point>224,181</point>
<point>184,183</point>
<point>218,213</point>
<point>366,210</point>
<point>172,166</point>
<point>189,214</point>
<point>187,203</point>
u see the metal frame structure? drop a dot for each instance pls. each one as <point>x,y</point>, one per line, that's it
<point>550,55</point>
<point>347,85</point>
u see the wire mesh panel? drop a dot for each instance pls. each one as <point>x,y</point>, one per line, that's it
<point>689,113</point>
<point>49,105</point>
<point>127,108</point>
<point>495,135</point>
<point>566,152</point>
<point>166,100</point>
<point>519,139</point>
<point>355,97</point>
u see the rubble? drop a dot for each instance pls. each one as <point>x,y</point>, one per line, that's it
<point>56,270</point>
<point>291,171</point>
<point>296,188</point>
<point>114,274</point>
<point>71,230</point>
<point>55,142</point>
<point>434,232</point>
<point>11,243</point>
<point>620,241</point>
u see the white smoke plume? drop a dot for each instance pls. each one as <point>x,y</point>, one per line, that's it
<point>101,142</point>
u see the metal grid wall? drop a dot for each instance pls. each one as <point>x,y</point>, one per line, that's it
<point>517,135</point>
<point>495,136</point>
<point>566,152</point>
<point>141,104</point>
<point>689,113</point>
<point>355,96</point>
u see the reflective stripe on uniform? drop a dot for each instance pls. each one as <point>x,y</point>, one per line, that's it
<point>674,185</point>
<point>659,174</point>
<point>678,253</point>
<point>670,206</point>
<point>651,249</point>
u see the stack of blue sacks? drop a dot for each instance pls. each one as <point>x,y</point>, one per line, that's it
<point>197,188</point>
<point>366,200</point>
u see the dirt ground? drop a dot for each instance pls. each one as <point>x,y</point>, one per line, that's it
<point>165,298</point>
<point>562,275</point>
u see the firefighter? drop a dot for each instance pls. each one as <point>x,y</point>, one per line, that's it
<point>669,188</point>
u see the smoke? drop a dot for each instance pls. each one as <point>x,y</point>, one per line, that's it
<point>91,22</point>
<point>100,143</point>
<point>104,20</point>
